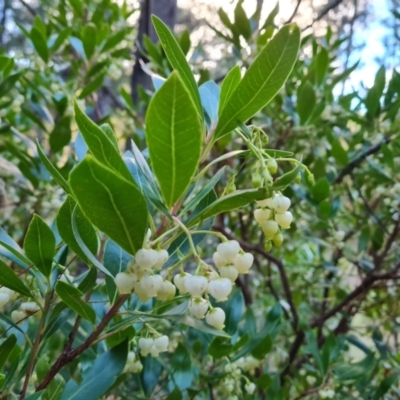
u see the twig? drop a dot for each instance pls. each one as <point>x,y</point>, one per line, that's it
<point>28,7</point>
<point>294,12</point>
<point>325,11</point>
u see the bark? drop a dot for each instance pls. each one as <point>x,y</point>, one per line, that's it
<point>166,11</point>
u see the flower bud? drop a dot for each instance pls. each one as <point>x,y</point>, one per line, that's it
<point>256,180</point>
<point>141,292</point>
<point>267,245</point>
<point>29,307</point>
<point>146,258</point>
<point>284,220</point>
<point>161,343</point>
<point>250,388</point>
<point>229,272</point>
<point>278,239</point>
<point>220,289</point>
<point>179,281</point>
<point>125,282</point>
<point>272,166</point>
<point>216,318</point>
<point>243,262</point>
<point>162,257</point>
<point>270,228</point>
<point>196,285</point>
<point>166,292</point>
<point>229,250</point>
<point>198,307</point>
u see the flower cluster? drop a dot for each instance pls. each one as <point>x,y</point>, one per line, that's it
<point>133,363</point>
<point>25,310</point>
<point>6,295</point>
<point>273,215</point>
<point>153,346</point>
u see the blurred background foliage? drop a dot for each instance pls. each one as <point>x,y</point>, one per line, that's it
<point>319,314</point>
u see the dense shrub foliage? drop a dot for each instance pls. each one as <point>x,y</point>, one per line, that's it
<point>237,240</point>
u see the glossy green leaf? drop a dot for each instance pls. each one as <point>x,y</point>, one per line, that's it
<point>89,39</point>
<point>35,396</point>
<point>52,169</point>
<point>229,85</point>
<point>106,128</point>
<point>114,39</point>
<point>99,377</point>
<point>61,38</point>
<point>7,84</point>
<point>178,60</point>
<point>262,80</point>
<point>6,348</point>
<point>181,364</point>
<point>286,179</point>
<point>40,44</point>
<point>91,87</point>
<point>306,101</point>
<point>320,191</point>
<point>100,145</point>
<point>89,281</point>
<point>9,279</point>
<point>61,134</point>
<point>321,64</point>
<point>72,297</point>
<point>230,202</point>
<point>174,133</point>
<point>77,6</point>
<point>11,250</point>
<point>242,23</point>
<point>86,230</point>
<point>355,371</point>
<point>40,245</point>
<point>110,202</point>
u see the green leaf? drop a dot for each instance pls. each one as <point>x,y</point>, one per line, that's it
<point>9,279</point>
<point>86,230</point>
<point>242,23</point>
<point>230,202</point>
<point>178,60</point>
<point>262,80</point>
<point>181,364</point>
<point>61,38</point>
<point>286,179</point>
<point>40,26</point>
<point>106,128</point>
<point>7,84</point>
<point>40,245</point>
<point>52,169</point>
<point>321,65</point>
<point>40,44</point>
<point>262,348</point>
<point>100,145</point>
<point>320,191</point>
<point>306,100</point>
<point>233,310</point>
<point>173,133</point>
<point>35,396</point>
<point>355,371</point>
<point>229,85</point>
<point>110,202</point>
<point>77,6</point>
<point>11,250</point>
<point>89,281</point>
<point>6,348</point>
<point>386,384</point>
<point>89,39</point>
<point>175,394</point>
<point>72,297</point>
<point>96,84</point>
<point>114,39</point>
<point>101,376</point>
<point>184,41</point>
<point>61,134</point>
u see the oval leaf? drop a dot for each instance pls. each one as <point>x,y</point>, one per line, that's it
<point>174,134</point>
<point>10,280</point>
<point>110,202</point>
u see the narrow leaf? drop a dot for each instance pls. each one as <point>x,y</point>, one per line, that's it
<point>178,60</point>
<point>174,136</point>
<point>10,280</point>
<point>263,79</point>
<point>72,297</point>
<point>6,348</point>
<point>40,245</point>
<point>229,85</point>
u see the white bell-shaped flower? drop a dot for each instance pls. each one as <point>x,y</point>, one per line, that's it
<point>261,215</point>
<point>280,204</point>
<point>216,318</point>
<point>229,272</point>
<point>141,292</point>
<point>270,228</point>
<point>145,345</point>
<point>284,220</point>
<point>220,289</point>
<point>146,258</point>
<point>4,299</point>
<point>179,281</point>
<point>17,316</point>
<point>167,291</point>
<point>198,307</point>
<point>250,387</point>
<point>243,262</point>
<point>162,257</point>
<point>196,285</point>
<point>161,343</point>
<point>228,250</point>
<point>125,282</point>
<point>219,261</point>
<point>151,284</point>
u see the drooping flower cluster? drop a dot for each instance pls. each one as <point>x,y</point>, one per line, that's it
<point>272,216</point>
<point>153,346</point>
<point>133,363</point>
